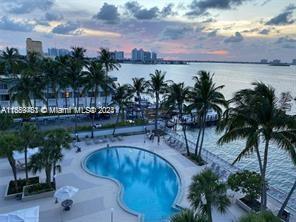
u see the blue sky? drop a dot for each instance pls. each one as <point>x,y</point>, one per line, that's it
<point>244,30</point>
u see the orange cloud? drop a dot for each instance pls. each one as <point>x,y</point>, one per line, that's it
<point>218,52</point>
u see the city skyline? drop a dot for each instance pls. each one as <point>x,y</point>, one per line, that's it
<point>222,30</point>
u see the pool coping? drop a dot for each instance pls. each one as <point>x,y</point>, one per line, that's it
<point>176,204</point>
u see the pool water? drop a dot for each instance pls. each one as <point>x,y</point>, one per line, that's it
<point>150,184</point>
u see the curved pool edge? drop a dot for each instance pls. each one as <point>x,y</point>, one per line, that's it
<point>177,202</point>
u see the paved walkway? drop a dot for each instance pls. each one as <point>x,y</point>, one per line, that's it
<point>97,196</point>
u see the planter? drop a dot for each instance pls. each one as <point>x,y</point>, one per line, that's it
<point>36,195</point>
<point>242,204</point>
<point>9,196</point>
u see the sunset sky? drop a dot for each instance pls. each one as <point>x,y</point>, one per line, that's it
<point>237,30</point>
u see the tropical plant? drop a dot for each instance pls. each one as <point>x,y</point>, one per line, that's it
<point>6,121</point>
<point>10,142</point>
<point>293,188</point>
<point>58,140</point>
<point>256,116</point>
<point>95,78</point>
<point>51,74</point>
<point>188,215</point>
<point>11,60</point>
<point>109,64</point>
<point>246,182</point>
<point>20,92</point>
<point>175,98</point>
<point>264,216</point>
<point>157,86</point>
<point>121,98</point>
<point>205,95</point>
<point>139,87</point>
<point>29,138</point>
<point>74,75</point>
<point>206,191</point>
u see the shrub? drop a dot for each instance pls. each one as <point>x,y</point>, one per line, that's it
<point>38,188</point>
<point>21,183</point>
<point>247,182</point>
<point>260,217</point>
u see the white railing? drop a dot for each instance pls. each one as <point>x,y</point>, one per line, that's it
<point>274,193</point>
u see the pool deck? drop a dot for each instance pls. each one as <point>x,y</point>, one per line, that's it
<point>97,196</point>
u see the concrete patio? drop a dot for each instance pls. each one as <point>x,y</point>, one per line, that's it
<point>97,196</point>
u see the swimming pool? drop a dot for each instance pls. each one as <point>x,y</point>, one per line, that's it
<point>150,185</point>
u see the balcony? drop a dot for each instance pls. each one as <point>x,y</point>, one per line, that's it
<point>4,91</point>
<point>4,103</point>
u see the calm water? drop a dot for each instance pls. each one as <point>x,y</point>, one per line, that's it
<point>150,184</point>
<point>281,172</point>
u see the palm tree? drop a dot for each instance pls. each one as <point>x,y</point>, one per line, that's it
<point>33,72</point>
<point>10,58</point>
<point>20,92</point>
<point>122,98</point>
<point>8,143</point>
<point>51,71</point>
<point>176,97</point>
<point>139,86</point>
<point>95,79</point>
<point>58,140</point>
<point>188,215</point>
<point>257,117</point>
<point>74,75</point>
<point>205,95</point>
<point>206,192</point>
<point>109,64</point>
<point>29,138</point>
<point>44,159</point>
<point>157,86</point>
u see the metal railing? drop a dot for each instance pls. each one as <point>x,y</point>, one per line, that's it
<point>274,193</point>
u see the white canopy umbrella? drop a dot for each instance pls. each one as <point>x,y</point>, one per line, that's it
<point>24,215</point>
<point>18,155</point>
<point>65,193</point>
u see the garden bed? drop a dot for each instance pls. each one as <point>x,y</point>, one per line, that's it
<point>197,160</point>
<point>36,191</point>
<point>247,205</point>
<point>11,192</point>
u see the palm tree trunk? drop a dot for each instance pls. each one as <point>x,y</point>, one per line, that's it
<point>48,174</point>
<point>263,175</point>
<point>259,159</point>
<point>287,200</point>
<point>198,138</point>
<point>156,117</point>
<point>54,171</point>
<point>13,168</point>
<point>209,212</point>
<point>92,119</point>
<point>26,164</point>
<point>203,134</point>
<point>184,130</point>
<point>117,120</point>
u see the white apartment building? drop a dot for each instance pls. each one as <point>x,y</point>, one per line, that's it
<point>65,96</point>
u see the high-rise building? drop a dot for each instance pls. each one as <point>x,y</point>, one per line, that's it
<point>118,55</point>
<point>134,54</point>
<point>143,56</point>
<point>264,61</point>
<point>154,56</point>
<point>34,46</point>
<point>294,62</point>
<point>53,52</point>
